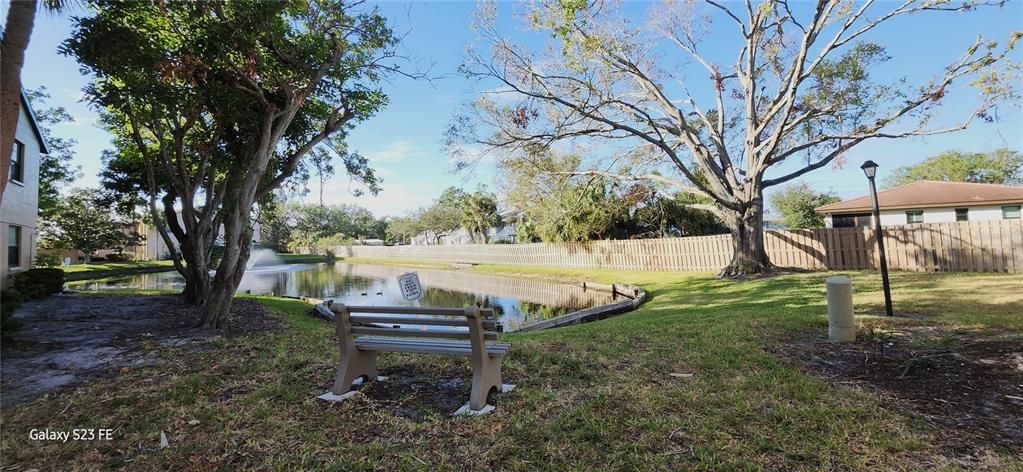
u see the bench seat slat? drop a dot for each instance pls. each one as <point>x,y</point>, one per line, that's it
<point>418,333</point>
<point>410,310</point>
<point>401,345</point>
<point>405,341</point>
<point>414,320</point>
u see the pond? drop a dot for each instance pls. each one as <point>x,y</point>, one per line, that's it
<point>515,301</point>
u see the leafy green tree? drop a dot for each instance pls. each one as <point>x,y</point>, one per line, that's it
<point>479,215</point>
<point>790,92</point>
<point>83,222</point>
<point>558,206</point>
<point>1001,166</point>
<point>273,224</point>
<point>796,203</point>
<point>219,103</point>
<point>55,168</point>
<point>559,202</point>
<point>661,216</point>
<point>444,215</point>
<point>402,229</point>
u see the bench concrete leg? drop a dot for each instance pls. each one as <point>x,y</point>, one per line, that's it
<point>353,366</point>
<point>484,377</point>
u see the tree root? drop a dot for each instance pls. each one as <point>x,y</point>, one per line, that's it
<point>741,272</point>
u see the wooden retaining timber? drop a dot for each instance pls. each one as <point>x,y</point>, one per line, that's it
<point>634,297</point>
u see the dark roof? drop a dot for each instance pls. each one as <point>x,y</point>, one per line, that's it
<point>930,194</point>
<point>43,149</point>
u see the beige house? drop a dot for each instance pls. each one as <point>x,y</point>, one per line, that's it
<point>19,207</point>
<point>928,201</point>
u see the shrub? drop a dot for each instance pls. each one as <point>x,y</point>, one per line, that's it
<point>48,260</point>
<point>10,300</point>
<point>330,256</point>
<point>120,257</point>
<point>39,283</point>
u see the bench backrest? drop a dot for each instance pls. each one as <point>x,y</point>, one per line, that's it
<point>380,321</point>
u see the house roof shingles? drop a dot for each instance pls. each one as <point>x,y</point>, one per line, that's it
<point>930,194</point>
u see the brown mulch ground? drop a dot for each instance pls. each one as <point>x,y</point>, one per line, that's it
<point>968,386</point>
<point>67,339</point>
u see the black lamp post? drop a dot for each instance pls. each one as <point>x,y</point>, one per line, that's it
<point>870,169</point>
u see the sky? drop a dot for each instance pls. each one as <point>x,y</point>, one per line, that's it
<point>404,141</point>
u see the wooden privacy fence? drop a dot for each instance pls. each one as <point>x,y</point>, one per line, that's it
<point>975,246</point>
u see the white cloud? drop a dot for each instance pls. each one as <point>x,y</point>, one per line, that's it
<point>394,152</point>
<point>394,200</point>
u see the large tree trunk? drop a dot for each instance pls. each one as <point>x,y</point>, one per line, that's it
<point>17,32</point>
<point>195,250</point>
<point>236,211</point>
<point>195,246</point>
<point>237,248</point>
<point>747,228</point>
<point>197,285</point>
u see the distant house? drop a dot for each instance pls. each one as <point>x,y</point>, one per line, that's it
<point>929,201</point>
<point>19,208</point>
<point>504,233</point>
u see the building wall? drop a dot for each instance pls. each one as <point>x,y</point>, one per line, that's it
<point>935,215</point>
<point>20,205</point>
<point>461,236</point>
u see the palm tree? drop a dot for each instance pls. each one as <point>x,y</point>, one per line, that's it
<point>17,32</point>
<point>479,214</point>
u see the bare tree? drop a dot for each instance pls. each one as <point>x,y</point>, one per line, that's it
<point>797,89</point>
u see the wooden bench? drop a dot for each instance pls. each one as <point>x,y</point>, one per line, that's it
<point>358,354</point>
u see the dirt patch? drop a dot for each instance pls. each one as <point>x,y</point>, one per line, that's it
<point>969,386</point>
<point>418,394</point>
<point>71,338</point>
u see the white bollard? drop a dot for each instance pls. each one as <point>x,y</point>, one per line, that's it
<point>841,324</point>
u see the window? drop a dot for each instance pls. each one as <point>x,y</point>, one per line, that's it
<point>857,220</point>
<point>13,246</point>
<point>17,162</point>
<point>914,216</point>
<point>1010,212</point>
<point>962,214</point>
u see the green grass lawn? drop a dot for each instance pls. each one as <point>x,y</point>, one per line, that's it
<point>595,396</point>
<point>116,266</point>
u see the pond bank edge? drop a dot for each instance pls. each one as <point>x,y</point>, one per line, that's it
<point>634,297</point>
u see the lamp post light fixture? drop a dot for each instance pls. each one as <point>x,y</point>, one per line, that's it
<point>870,170</point>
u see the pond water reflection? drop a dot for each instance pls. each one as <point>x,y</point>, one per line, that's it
<point>515,301</point>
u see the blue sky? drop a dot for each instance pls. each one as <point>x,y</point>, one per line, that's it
<point>404,142</point>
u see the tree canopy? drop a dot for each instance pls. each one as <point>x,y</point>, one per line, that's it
<point>55,168</point>
<point>656,102</point>
<point>796,203</point>
<point>556,203</point>
<point>217,104</point>
<point>82,221</point>
<point>479,215</point>
<point>1001,166</point>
